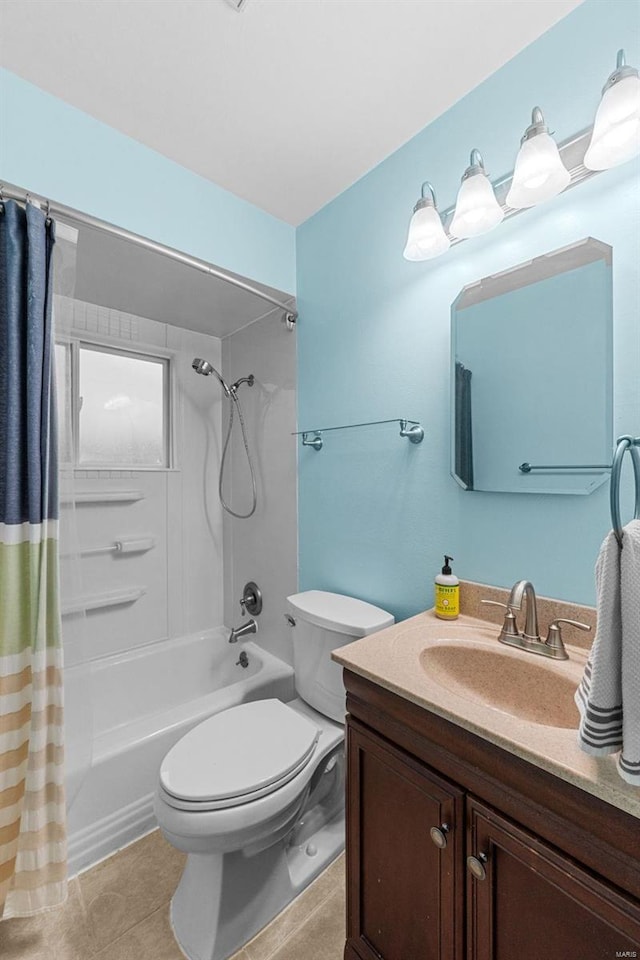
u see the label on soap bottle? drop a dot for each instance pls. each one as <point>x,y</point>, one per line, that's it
<point>447,601</point>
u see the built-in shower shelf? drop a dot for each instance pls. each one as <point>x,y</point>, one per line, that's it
<point>103,496</point>
<point>98,601</point>
<point>411,429</point>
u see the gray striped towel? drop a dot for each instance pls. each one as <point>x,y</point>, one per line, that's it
<point>609,694</point>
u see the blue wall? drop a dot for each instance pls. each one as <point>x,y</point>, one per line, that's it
<point>375,512</point>
<point>56,151</point>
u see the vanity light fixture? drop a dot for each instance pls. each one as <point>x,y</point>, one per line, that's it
<point>477,210</point>
<point>539,173</point>
<point>426,237</point>
<point>543,169</point>
<point>616,129</point>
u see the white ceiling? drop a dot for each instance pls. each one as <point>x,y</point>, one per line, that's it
<point>284,104</point>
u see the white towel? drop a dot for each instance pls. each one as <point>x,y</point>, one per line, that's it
<point>609,695</point>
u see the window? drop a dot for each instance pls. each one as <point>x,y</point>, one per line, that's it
<point>122,409</point>
<point>120,402</point>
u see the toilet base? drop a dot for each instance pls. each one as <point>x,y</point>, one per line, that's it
<point>223,900</point>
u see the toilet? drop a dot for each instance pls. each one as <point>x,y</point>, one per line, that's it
<point>255,794</point>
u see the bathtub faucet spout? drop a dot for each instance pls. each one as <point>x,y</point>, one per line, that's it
<point>238,633</point>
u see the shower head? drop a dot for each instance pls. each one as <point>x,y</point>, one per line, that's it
<point>206,369</point>
<point>202,366</point>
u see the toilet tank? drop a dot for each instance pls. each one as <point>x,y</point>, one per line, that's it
<point>321,622</point>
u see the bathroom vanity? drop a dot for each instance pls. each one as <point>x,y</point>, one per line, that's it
<point>475,831</point>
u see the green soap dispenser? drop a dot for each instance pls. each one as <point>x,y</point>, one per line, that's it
<point>447,593</point>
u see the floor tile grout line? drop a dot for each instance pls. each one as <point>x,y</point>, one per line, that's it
<point>129,930</point>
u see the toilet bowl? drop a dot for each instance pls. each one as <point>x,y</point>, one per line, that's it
<point>255,794</point>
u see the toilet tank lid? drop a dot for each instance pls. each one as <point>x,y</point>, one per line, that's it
<point>337,612</point>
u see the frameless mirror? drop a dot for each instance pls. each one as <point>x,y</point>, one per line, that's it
<point>532,375</point>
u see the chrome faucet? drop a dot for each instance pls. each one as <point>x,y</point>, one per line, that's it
<point>238,633</point>
<point>530,639</point>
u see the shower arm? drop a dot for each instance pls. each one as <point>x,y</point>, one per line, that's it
<point>234,386</point>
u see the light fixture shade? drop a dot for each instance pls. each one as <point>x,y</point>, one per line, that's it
<point>616,130</point>
<point>477,210</point>
<point>426,237</point>
<point>539,173</point>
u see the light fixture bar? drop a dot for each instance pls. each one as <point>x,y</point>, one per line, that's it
<point>572,153</point>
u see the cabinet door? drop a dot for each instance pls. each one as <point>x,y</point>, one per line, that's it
<point>535,903</point>
<point>405,892</point>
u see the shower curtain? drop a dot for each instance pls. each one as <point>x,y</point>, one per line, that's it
<point>32,807</point>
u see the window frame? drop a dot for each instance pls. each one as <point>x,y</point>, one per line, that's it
<point>147,352</point>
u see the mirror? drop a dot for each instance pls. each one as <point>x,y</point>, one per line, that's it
<point>532,375</point>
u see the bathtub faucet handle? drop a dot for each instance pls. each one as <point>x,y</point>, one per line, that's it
<point>251,599</point>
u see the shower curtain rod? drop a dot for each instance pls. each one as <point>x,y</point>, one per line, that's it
<point>11,192</point>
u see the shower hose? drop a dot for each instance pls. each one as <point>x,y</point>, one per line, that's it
<point>233,399</point>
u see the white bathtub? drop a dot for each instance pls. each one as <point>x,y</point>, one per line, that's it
<point>142,703</point>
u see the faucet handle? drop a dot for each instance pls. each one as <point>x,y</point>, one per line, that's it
<point>509,627</point>
<point>251,599</point>
<point>574,623</point>
<point>554,637</point>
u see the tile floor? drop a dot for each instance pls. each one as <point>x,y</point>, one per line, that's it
<point>119,910</point>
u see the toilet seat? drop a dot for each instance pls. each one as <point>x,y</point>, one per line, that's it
<point>237,756</point>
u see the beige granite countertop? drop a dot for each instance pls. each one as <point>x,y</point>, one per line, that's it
<point>392,659</point>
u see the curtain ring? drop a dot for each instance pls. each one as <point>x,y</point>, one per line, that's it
<point>47,212</point>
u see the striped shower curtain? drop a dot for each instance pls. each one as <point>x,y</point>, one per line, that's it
<point>32,809</point>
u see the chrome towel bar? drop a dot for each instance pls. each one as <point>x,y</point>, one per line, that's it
<point>411,429</point>
<point>528,467</point>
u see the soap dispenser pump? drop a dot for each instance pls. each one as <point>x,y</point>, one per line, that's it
<point>447,590</point>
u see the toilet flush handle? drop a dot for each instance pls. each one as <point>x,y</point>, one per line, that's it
<point>289,619</point>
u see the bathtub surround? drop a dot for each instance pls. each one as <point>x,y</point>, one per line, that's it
<point>181,577</point>
<point>263,548</point>
<point>374,338</point>
<point>33,868</point>
<point>160,662</point>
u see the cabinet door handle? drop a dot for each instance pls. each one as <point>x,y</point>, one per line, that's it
<point>475,866</point>
<point>439,835</point>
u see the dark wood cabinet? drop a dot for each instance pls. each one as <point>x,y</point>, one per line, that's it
<point>533,902</point>
<point>409,891</point>
<point>455,850</point>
